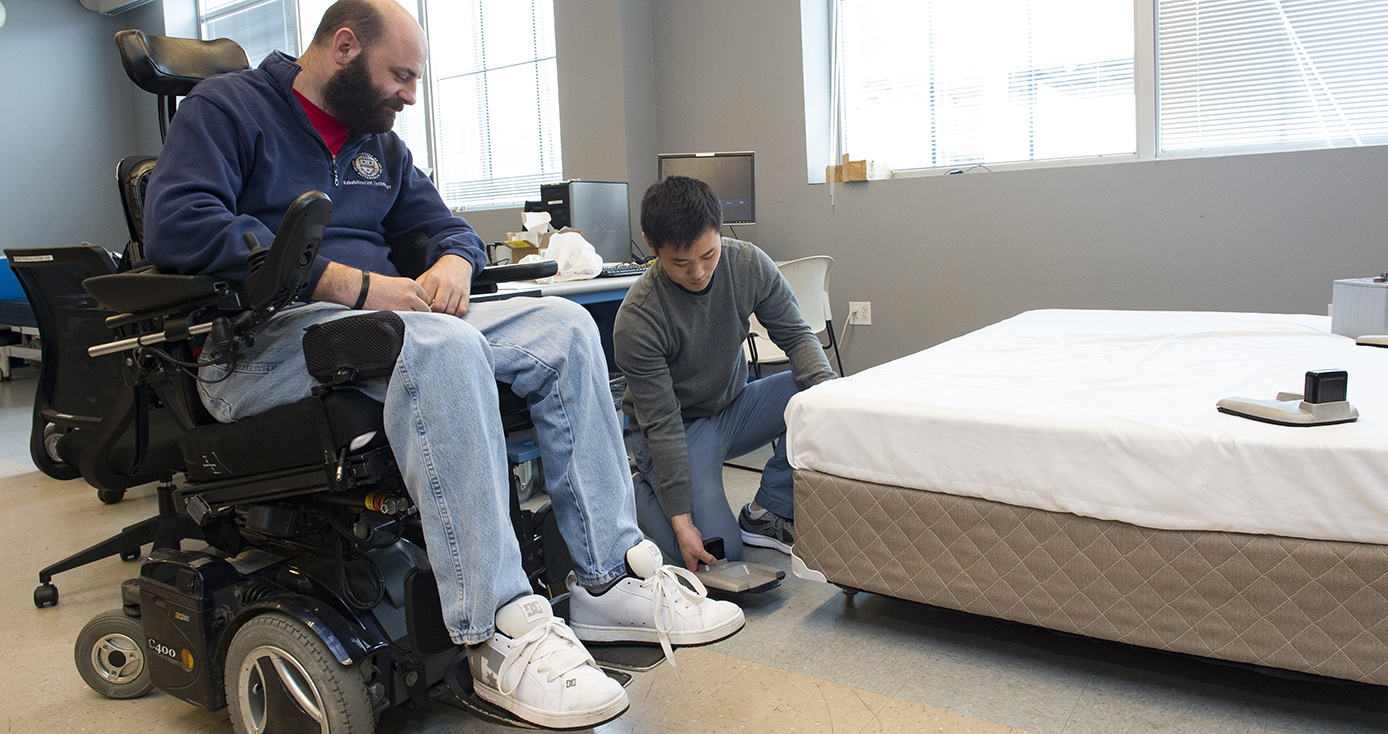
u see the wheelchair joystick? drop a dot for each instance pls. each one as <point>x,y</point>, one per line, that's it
<point>256,257</point>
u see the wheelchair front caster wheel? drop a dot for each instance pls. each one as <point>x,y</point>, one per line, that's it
<point>110,656</point>
<point>110,496</point>
<point>46,595</point>
<point>280,677</point>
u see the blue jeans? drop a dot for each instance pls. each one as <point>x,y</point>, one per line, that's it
<point>754,418</point>
<point>444,426</point>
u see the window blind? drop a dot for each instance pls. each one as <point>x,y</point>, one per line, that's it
<point>1272,73</point>
<point>943,83</point>
<point>496,108</point>
<point>259,27</point>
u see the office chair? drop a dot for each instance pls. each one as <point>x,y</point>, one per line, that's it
<point>85,420</point>
<point>808,278</point>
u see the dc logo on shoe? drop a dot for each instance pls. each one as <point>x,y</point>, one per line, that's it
<point>367,166</point>
<point>534,610</point>
<point>570,682</point>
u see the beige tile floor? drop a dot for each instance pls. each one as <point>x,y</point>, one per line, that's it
<point>810,659</point>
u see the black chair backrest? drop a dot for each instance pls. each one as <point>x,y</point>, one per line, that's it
<point>170,67</point>
<point>132,178</point>
<point>74,389</point>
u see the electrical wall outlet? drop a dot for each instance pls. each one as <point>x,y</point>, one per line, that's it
<point>860,312</point>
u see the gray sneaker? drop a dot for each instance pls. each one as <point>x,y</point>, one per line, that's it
<point>770,531</point>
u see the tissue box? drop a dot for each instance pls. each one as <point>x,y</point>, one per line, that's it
<point>534,240</point>
<point>519,250</point>
<point>1359,306</point>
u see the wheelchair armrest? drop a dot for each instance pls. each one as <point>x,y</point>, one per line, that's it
<point>486,281</point>
<point>148,290</point>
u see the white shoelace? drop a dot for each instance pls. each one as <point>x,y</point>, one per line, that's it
<point>668,591</point>
<point>552,645</point>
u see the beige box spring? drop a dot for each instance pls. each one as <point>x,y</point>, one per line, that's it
<point>1314,606</point>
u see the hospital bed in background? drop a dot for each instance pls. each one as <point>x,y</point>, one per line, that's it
<point>1069,469</point>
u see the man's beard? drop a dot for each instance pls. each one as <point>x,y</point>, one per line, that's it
<point>356,102</point>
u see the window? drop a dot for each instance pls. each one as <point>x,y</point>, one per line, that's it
<point>1272,74</point>
<point>260,26</point>
<point>947,84</point>
<point>944,83</point>
<point>486,125</point>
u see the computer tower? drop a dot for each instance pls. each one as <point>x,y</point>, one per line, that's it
<point>600,208</point>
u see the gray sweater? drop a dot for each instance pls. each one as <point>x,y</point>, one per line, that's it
<point>682,353</point>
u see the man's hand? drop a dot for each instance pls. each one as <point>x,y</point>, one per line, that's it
<point>691,542</point>
<point>447,285</point>
<point>341,284</point>
<point>395,294</point>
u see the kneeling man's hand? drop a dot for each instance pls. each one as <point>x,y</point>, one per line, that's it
<point>691,542</point>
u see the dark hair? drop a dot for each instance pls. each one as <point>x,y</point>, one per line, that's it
<point>678,211</point>
<point>361,16</point>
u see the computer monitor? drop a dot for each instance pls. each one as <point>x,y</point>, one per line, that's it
<point>730,175</point>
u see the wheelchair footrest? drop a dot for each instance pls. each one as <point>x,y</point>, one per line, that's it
<point>456,690</point>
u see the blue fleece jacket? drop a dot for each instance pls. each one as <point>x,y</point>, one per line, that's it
<point>241,149</point>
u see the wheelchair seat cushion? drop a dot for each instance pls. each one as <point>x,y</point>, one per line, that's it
<point>286,437</point>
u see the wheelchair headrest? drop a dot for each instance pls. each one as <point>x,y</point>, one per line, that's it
<point>172,66</point>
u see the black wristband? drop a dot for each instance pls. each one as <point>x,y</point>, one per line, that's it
<point>365,286</point>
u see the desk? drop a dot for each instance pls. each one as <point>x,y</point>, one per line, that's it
<point>600,296</point>
<point>594,290</point>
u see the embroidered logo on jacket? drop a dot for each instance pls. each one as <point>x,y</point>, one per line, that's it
<point>367,166</point>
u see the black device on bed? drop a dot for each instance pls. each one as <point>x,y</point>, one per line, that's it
<point>1326,386</point>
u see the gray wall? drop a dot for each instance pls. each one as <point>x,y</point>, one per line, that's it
<point>72,116</point>
<point>941,256</point>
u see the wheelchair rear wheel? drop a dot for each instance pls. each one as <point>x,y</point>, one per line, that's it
<point>280,677</point>
<point>110,656</point>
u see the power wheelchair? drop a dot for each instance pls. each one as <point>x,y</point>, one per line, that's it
<point>312,606</point>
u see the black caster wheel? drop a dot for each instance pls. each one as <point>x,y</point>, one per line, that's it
<point>44,451</point>
<point>281,677</point>
<point>110,656</point>
<point>110,496</point>
<point>129,555</point>
<point>848,590</point>
<point>46,595</point>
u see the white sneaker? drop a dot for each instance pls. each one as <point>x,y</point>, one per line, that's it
<point>534,667</point>
<point>665,604</point>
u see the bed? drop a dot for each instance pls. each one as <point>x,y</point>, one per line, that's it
<point>1069,469</point>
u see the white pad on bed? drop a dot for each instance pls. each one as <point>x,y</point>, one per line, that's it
<point>1111,414</point>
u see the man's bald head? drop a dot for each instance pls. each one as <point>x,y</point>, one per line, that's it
<point>370,20</point>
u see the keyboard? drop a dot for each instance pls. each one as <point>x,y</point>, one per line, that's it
<point>619,270</point>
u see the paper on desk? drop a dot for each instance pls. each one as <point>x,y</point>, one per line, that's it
<point>577,258</point>
<point>536,221</point>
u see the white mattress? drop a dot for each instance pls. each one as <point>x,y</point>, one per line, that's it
<point>1111,414</point>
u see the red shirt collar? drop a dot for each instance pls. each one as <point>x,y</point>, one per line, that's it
<point>333,132</point>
